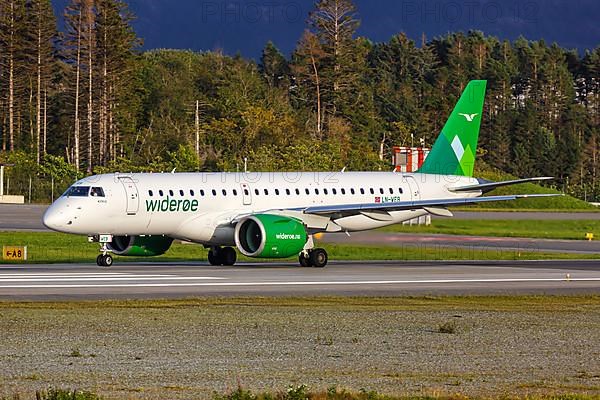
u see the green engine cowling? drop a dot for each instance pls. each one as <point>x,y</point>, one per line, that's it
<point>140,246</point>
<point>270,236</point>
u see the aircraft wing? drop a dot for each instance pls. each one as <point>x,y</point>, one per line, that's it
<point>486,186</point>
<point>434,206</point>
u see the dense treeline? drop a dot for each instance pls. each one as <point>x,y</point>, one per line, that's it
<point>88,96</point>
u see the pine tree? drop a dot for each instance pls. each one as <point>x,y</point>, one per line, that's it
<point>116,43</point>
<point>334,23</point>
<point>307,63</point>
<point>12,42</point>
<point>44,32</point>
<point>274,66</point>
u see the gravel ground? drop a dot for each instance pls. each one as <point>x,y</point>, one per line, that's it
<point>188,350</point>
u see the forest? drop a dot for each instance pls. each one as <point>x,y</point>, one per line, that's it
<point>88,100</point>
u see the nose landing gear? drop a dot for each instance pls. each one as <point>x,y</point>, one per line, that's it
<point>104,260</point>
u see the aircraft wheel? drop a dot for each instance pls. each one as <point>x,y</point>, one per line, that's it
<point>318,258</point>
<point>304,261</point>
<point>104,260</point>
<point>214,256</point>
<point>228,256</point>
<point>108,260</point>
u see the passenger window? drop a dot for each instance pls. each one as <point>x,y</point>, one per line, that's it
<point>298,191</point>
<point>343,191</point>
<point>234,192</point>
<point>266,192</point>
<point>352,191</point>
<point>381,191</point>
<point>287,191</point>
<point>256,192</point>
<point>161,193</point>
<point>372,191</point>
<point>362,191</point>
<point>334,190</point>
<point>246,192</point>
<point>97,192</point>
<point>170,193</point>
<point>181,193</point>
<point>277,192</point>
<point>391,191</point>
<point>191,193</point>
<point>316,191</point>
<point>214,192</point>
<point>324,191</point>
<point>307,191</point>
<point>400,190</point>
<point>202,192</point>
<point>224,192</point>
<point>150,193</point>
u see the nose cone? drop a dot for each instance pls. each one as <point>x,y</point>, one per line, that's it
<point>52,218</point>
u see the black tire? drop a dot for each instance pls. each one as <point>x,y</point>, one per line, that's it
<point>214,257</point>
<point>304,261</point>
<point>318,258</point>
<point>108,260</point>
<point>228,256</point>
<point>100,260</point>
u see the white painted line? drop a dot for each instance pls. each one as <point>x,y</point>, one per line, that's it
<point>77,275</point>
<point>302,283</point>
<point>113,278</point>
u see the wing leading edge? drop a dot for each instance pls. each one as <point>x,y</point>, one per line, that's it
<point>343,210</point>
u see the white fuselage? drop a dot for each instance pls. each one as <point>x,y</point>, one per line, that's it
<point>203,207</point>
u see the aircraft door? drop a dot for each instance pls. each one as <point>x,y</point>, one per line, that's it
<point>246,194</point>
<point>131,191</point>
<point>413,186</point>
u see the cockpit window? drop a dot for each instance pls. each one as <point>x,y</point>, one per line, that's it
<point>77,191</point>
<point>97,192</point>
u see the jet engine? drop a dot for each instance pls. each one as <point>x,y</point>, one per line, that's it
<point>140,246</point>
<point>270,236</point>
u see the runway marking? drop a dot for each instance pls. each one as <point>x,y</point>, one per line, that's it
<point>305,283</point>
<point>118,278</point>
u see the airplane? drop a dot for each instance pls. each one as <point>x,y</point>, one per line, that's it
<point>275,214</point>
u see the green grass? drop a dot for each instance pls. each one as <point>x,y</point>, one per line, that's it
<point>547,229</point>
<point>49,247</point>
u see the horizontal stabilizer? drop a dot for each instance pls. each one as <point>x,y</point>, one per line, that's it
<point>487,186</point>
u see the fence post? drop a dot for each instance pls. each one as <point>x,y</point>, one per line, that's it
<point>52,191</point>
<point>29,189</point>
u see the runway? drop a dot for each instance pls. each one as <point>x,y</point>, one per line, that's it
<point>147,280</point>
<point>448,242</point>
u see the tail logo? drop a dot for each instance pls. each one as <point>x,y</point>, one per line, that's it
<point>469,117</point>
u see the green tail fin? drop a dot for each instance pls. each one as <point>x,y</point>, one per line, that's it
<point>454,150</point>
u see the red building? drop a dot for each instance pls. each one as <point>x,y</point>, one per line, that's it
<point>408,159</point>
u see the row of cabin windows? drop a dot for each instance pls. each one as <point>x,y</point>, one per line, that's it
<point>277,192</point>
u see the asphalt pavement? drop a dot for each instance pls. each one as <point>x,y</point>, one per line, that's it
<point>395,278</point>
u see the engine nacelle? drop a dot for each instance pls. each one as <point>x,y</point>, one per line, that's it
<point>140,246</point>
<point>270,236</point>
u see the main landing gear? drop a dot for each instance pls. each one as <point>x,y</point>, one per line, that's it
<point>313,258</point>
<point>222,256</point>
